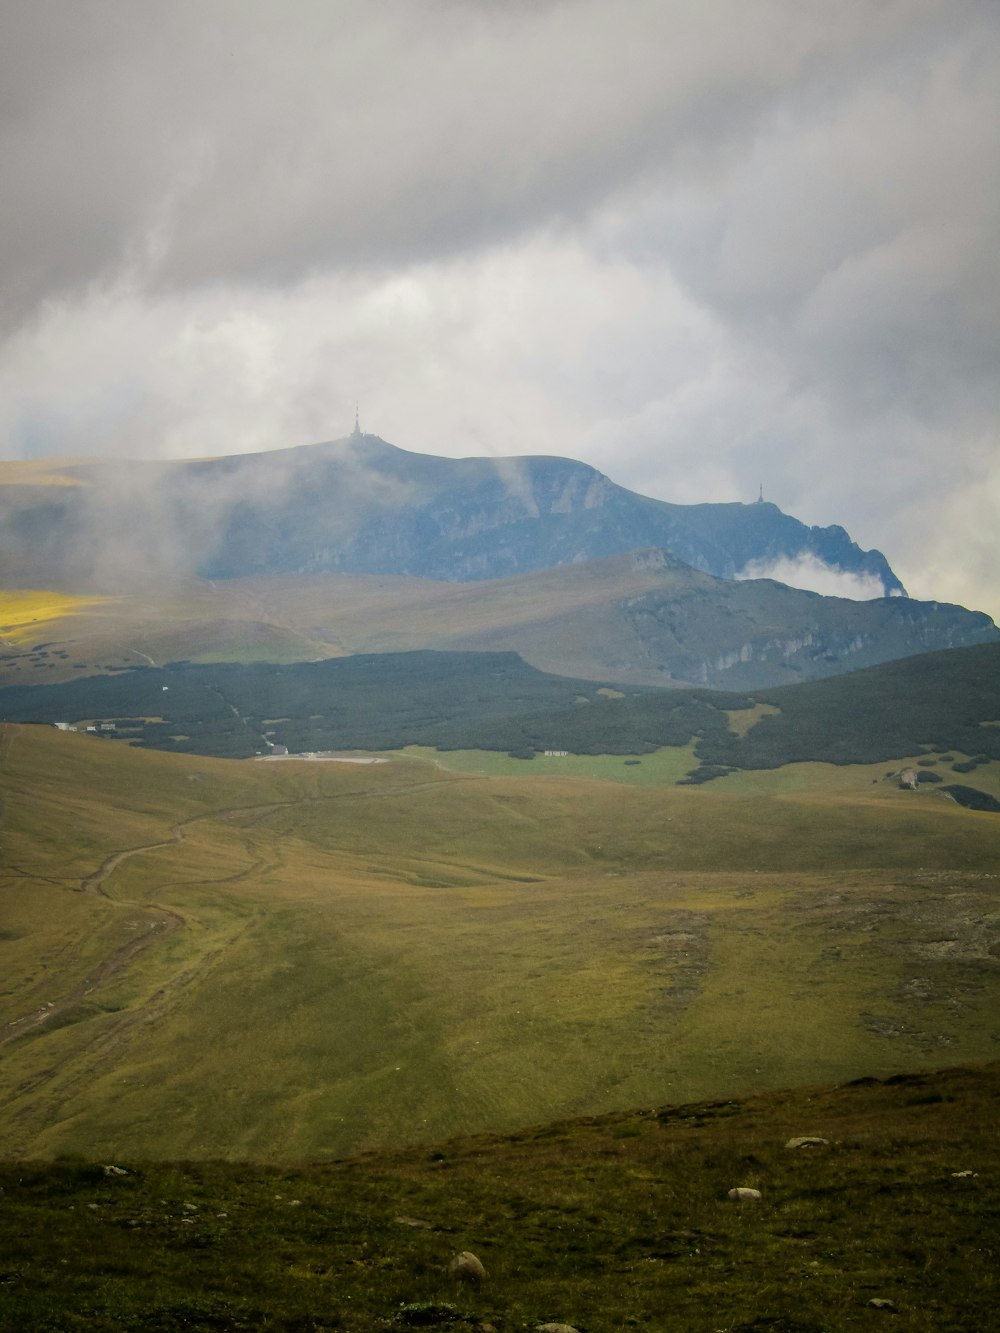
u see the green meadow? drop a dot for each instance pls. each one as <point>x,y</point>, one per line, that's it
<point>662,767</point>
<point>210,959</point>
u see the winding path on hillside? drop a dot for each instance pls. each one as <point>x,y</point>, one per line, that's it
<point>171,920</point>
<point>54,1085</point>
<point>128,953</point>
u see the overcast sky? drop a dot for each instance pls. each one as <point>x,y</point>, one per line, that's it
<point>701,244</point>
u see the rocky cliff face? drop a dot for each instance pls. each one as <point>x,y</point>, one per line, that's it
<point>741,635</point>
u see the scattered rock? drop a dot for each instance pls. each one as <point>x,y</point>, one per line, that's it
<point>963,1175</point>
<point>466,1267</point>
<point>744,1194</point>
<point>405,1221</point>
<point>115,1171</point>
<point>555,1328</point>
<point>807,1141</point>
<point>880,1303</point>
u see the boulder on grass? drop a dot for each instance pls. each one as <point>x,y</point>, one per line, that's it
<point>466,1267</point>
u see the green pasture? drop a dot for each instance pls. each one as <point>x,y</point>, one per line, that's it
<point>662,767</point>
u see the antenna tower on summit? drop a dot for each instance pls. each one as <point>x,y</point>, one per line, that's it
<point>357,423</point>
<point>760,497</point>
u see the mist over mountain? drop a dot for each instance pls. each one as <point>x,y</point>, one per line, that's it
<point>361,505</point>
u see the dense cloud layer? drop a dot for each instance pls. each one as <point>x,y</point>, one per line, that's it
<point>701,247</point>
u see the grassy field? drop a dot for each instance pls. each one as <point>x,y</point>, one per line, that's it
<point>59,636</point>
<point>29,614</point>
<point>605,1223</point>
<point>302,617</point>
<point>211,959</point>
<point>661,768</point>
<point>669,765</point>
<point>623,619</point>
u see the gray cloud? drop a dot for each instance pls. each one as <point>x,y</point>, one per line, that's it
<point>699,246</point>
<point>247,139</point>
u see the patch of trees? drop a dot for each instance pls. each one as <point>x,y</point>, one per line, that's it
<point>971,798</point>
<point>936,702</point>
<point>491,701</point>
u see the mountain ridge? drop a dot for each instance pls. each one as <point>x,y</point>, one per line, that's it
<point>363,505</point>
<point>265,557</point>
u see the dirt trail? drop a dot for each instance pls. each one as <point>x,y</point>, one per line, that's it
<point>128,953</point>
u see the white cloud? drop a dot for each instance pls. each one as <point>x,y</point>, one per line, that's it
<point>808,571</point>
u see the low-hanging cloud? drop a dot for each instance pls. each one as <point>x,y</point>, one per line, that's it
<point>815,575</point>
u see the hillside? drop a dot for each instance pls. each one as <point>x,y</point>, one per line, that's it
<point>364,506</point>
<point>638,619</point>
<point>279,961</point>
<point>934,702</point>
<point>608,1222</point>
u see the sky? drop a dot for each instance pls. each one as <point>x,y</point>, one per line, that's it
<point>706,246</point>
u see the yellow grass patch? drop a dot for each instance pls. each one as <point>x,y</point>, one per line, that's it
<point>24,611</point>
<point>35,473</point>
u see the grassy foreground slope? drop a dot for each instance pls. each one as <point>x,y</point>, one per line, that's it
<point>296,960</point>
<point>612,1223</point>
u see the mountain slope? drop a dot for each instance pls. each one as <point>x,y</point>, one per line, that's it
<point>292,960</point>
<point>361,505</point>
<point>638,619</point>
<point>662,623</point>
